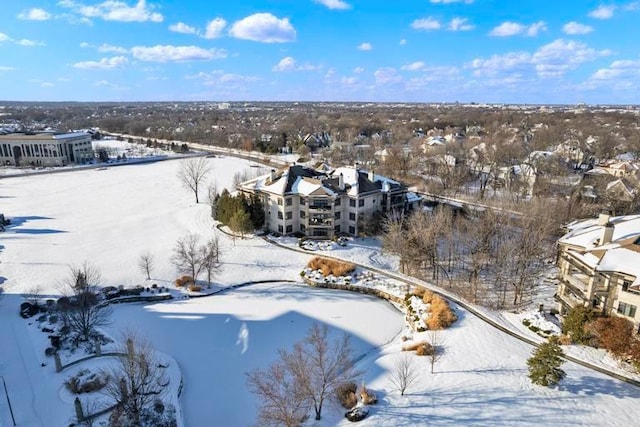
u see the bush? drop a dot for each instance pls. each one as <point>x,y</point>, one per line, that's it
<point>346,394</point>
<point>183,281</point>
<point>367,396</point>
<point>331,266</point>
<point>86,382</point>
<point>612,334</point>
<point>427,297</point>
<point>424,349</point>
<point>194,288</point>
<point>574,324</point>
<point>441,315</point>
<point>544,364</point>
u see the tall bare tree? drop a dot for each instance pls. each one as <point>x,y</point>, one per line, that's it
<point>211,257</point>
<point>280,401</point>
<point>404,372</point>
<point>320,366</point>
<point>137,380</point>
<point>145,263</point>
<point>436,340</point>
<point>187,255</point>
<point>192,173</point>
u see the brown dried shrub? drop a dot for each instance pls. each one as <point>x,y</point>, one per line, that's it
<point>419,291</point>
<point>346,394</point>
<point>427,297</point>
<point>425,349</point>
<point>331,266</point>
<point>194,288</point>
<point>564,339</point>
<point>367,396</point>
<point>613,334</point>
<point>183,281</point>
<point>441,315</point>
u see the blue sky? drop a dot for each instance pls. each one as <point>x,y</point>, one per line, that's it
<point>493,51</point>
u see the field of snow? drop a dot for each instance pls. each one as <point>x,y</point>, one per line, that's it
<point>109,217</point>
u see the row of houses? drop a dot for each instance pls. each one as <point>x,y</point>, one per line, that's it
<point>45,149</point>
<point>321,202</point>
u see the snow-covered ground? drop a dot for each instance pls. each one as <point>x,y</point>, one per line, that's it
<point>109,217</point>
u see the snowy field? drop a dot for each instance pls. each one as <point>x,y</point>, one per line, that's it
<point>109,217</point>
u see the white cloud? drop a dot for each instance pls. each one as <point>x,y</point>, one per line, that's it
<point>285,64</point>
<point>603,12</point>
<point>182,28</point>
<point>358,70</point>
<point>4,37</point>
<point>574,28</point>
<point>403,42</point>
<point>632,7</point>
<point>115,10</point>
<point>103,64</point>
<point>414,66</point>
<point>426,24</point>
<point>214,28</point>
<point>365,46</point>
<point>35,14</point>
<point>334,4</point>
<point>617,70</point>
<point>107,48</point>
<point>219,77</point>
<point>349,81</point>
<point>386,76</point>
<point>169,53</point>
<point>28,43</point>
<point>265,28</point>
<point>290,64</point>
<point>508,29</point>
<point>497,64</point>
<point>6,68</point>
<point>460,24</point>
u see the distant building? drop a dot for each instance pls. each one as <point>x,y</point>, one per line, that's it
<point>599,262</point>
<point>45,149</point>
<point>320,202</point>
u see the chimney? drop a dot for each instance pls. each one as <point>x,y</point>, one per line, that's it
<point>372,175</point>
<point>341,181</point>
<point>603,218</point>
<point>272,176</point>
<point>607,233</point>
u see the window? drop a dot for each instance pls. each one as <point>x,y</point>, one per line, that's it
<point>280,229</point>
<point>352,230</point>
<point>303,228</point>
<point>361,202</point>
<point>302,201</point>
<point>288,201</point>
<point>279,201</point>
<point>289,228</point>
<point>352,216</point>
<point>626,284</point>
<point>337,202</point>
<point>279,215</point>
<point>627,309</point>
<point>303,214</point>
<point>337,215</point>
<point>352,203</point>
<point>336,229</point>
<point>289,215</point>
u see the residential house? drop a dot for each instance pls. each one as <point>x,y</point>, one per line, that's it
<point>319,203</point>
<point>599,263</point>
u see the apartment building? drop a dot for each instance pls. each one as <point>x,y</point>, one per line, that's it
<point>322,202</point>
<point>45,149</point>
<point>599,262</point>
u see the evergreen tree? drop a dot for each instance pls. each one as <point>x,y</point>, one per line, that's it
<point>240,222</point>
<point>544,364</point>
<point>256,212</point>
<point>574,323</point>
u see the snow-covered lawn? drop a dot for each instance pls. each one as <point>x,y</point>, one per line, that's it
<point>109,217</point>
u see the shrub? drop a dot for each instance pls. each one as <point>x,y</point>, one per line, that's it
<point>428,296</point>
<point>612,334</point>
<point>194,288</point>
<point>367,396</point>
<point>86,382</point>
<point>331,266</point>
<point>346,394</point>
<point>424,349</point>
<point>419,291</point>
<point>544,364</point>
<point>574,324</point>
<point>183,281</point>
<point>441,315</point>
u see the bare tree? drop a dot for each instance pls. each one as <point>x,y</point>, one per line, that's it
<point>84,313</point>
<point>212,198</point>
<point>436,340</point>
<point>211,257</point>
<point>404,372</point>
<point>33,295</point>
<point>187,255</point>
<point>192,173</point>
<point>136,381</point>
<point>320,366</point>
<point>280,401</point>
<point>145,263</point>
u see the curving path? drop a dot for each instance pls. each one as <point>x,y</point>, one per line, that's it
<point>467,306</point>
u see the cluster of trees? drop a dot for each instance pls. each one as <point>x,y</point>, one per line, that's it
<point>240,213</point>
<point>302,379</point>
<point>193,257</point>
<point>486,257</point>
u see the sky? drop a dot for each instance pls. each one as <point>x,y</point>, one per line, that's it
<point>484,51</point>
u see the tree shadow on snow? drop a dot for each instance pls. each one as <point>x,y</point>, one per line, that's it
<point>591,386</point>
<point>19,221</point>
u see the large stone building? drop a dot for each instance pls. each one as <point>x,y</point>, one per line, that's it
<point>321,203</point>
<point>599,262</point>
<point>45,149</point>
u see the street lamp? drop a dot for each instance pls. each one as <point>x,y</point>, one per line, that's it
<point>8,401</point>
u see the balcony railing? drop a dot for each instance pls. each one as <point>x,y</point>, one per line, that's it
<point>324,208</point>
<point>579,281</point>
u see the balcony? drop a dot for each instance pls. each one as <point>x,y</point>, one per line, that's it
<point>579,281</point>
<point>569,299</point>
<point>320,208</point>
<point>320,221</point>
